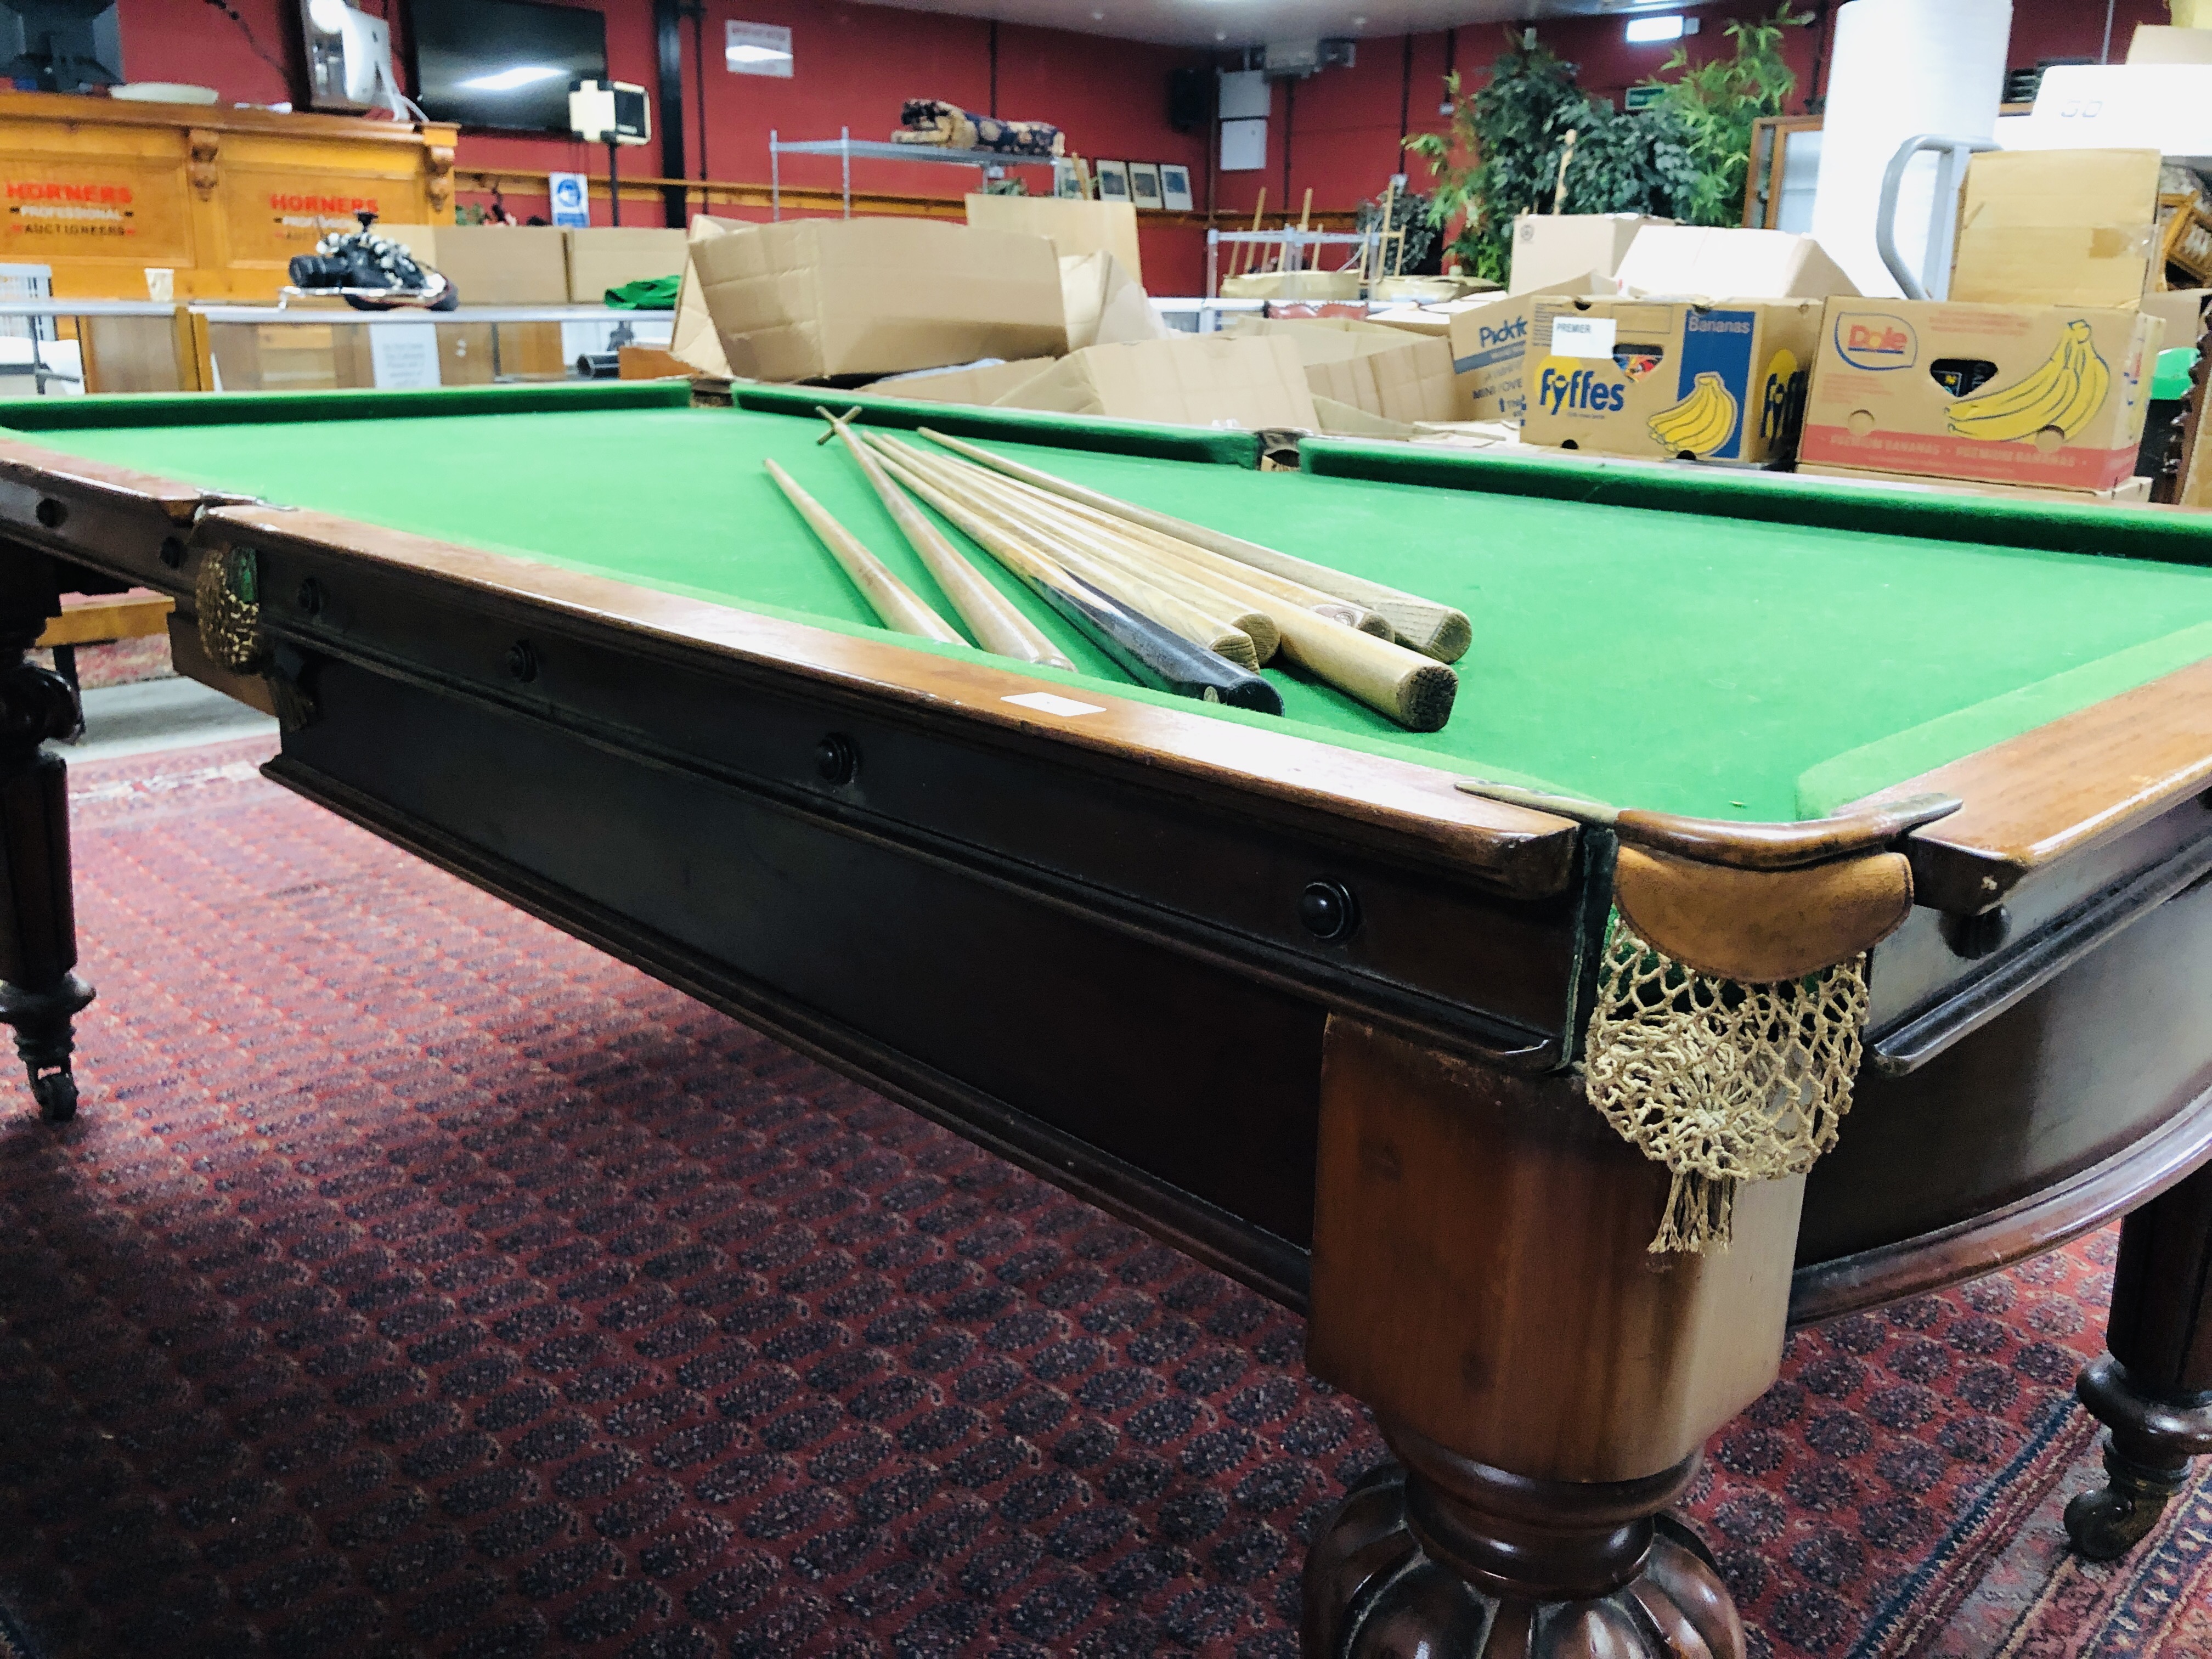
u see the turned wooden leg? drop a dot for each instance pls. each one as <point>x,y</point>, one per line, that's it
<point>1438,1555</point>
<point>1481,1280</point>
<point>39,995</point>
<point>2152,1388</point>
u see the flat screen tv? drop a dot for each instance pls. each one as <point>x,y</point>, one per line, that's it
<point>503,62</point>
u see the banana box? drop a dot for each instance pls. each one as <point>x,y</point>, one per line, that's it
<point>2048,396</point>
<point>1719,379</point>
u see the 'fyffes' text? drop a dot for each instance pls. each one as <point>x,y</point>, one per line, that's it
<point>1558,390</point>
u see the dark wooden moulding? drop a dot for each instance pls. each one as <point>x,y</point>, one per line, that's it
<point>1085,942</point>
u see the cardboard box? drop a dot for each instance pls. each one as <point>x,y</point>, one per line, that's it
<point>1384,371</point>
<point>1876,404</point>
<point>1557,247</point>
<point>1656,378</point>
<point>692,336</point>
<point>1103,304</point>
<point>813,298</point>
<point>505,264</point>
<point>2182,311</point>
<point>1490,347</point>
<point>608,256</point>
<point>2134,490</point>
<point>2160,43</point>
<point>1206,379</point>
<point>2057,226</point>
<point>1074,227</point>
<point>1690,262</point>
<point>973,383</point>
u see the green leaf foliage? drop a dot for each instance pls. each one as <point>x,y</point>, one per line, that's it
<point>1684,157</point>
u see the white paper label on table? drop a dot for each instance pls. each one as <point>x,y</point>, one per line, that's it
<point>404,356</point>
<point>1582,336</point>
<point>1046,702</point>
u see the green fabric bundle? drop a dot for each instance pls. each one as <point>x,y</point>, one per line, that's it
<point>646,294</point>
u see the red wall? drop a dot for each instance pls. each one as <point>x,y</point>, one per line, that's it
<point>856,62</point>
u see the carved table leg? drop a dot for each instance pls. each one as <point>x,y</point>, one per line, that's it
<point>1480,1280</point>
<point>2153,1390</point>
<point>1439,1554</point>
<point>40,995</point>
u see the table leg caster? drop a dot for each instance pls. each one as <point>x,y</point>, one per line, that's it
<point>1444,1557</point>
<point>2149,1446</point>
<point>45,1039</point>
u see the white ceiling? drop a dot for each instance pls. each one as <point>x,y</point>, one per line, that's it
<point>1251,22</point>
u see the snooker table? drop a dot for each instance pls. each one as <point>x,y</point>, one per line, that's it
<point>1275,987</point>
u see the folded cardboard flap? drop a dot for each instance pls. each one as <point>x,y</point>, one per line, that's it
<point>2161,43</point>
<point>973,383</point>
<point>813,298</point>
<point>1104,305</point>
<point>1553,247</point>
<point>1387,372</point>
<point>692,337</point>
<point>2057,227</point>
<point>1696,262</point>
<point>1185,379</point>
<point>1074,227</point>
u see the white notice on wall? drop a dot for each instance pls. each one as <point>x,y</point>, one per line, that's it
<point>756,49</point>
<point>405,355</point>
<point>1244,146</point>
<point>1582,336</point>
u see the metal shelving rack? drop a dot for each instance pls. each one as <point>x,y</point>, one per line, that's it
<point>992,164</point>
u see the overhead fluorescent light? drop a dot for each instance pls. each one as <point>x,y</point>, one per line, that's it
<point>1643,30</point>
<point>506,80</point>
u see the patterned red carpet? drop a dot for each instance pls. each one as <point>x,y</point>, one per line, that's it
<point>419,1281</point>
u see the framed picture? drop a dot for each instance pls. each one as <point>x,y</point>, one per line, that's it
<point>1144,184</point>
<point>1070,178</point>
<point>1113,182</point>
<point>1175,187</point>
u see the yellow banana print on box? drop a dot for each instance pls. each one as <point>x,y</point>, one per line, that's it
<point>2065,390</point>
<point>1700,423</point>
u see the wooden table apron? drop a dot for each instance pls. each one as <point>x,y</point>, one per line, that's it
<point>1078,941</point>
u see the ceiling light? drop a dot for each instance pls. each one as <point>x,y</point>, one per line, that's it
<point>506,80</point>
<point>327,15</point>
<point>1645,30</point>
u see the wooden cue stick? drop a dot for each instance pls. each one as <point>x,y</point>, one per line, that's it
<point>1140,593</point>
<point>1423,625</point>
<point>996,624</point>
<point>1149,653</point>
<point>1249,251</point>
<point>1305,221</point>
<point>1414,690</point>
<point>1243,580</point>
<point>1235,611</point>
<point>895,603</point>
